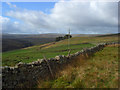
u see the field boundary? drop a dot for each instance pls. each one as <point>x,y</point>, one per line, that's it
<point>29,73</point>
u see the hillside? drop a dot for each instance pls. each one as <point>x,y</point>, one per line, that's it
<point>18,41</point>
<point>86,35</point>
<point>49,35</point>
<point>97,71</point>
<point>13,42</point>
<point>51,50</point>
<point>89,68</point>
<point>106,35</point>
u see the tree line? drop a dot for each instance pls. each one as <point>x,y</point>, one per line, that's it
<point>62,38</point>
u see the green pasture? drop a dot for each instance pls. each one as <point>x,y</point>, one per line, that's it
<point>33,53</point>
<point>28,55</point>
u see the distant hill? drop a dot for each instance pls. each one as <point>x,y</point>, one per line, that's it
<point>49,35</point>
<point>94,35</point>
<point>12,44</point>
<point>118,34</point>
<point>85,35</point>
<point>17,41</point>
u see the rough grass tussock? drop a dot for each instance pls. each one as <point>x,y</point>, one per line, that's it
<point>98,71</point>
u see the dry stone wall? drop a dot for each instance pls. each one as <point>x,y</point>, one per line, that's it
<point>24,74</point>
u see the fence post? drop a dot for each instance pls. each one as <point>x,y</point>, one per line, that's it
<point>49,66</point>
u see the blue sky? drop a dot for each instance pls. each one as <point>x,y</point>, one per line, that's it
<point>57,17</point>
<point>37,6</point>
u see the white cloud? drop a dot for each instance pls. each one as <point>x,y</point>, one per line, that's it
<point>4,19</point>
<point>84,14</point>
<point>11,5</point>
<point>81,17</point>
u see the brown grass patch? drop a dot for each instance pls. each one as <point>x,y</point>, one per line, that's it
<point>97,71</point>
<point>114,45</point>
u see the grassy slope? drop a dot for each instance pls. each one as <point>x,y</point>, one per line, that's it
<point>33,53</point>
<point>9,44</point>
<point>100,71</point>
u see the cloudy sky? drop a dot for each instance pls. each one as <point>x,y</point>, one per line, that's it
<point>57,17</point>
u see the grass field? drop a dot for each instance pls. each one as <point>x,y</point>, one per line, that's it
<point>33,53</point>
<point>98,71</point>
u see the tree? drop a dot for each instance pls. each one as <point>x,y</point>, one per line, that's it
<point>62,38</point>
<point>59,38</point>
<point>67,36</point>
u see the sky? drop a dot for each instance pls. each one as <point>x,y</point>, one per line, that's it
<point>57,17</point>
